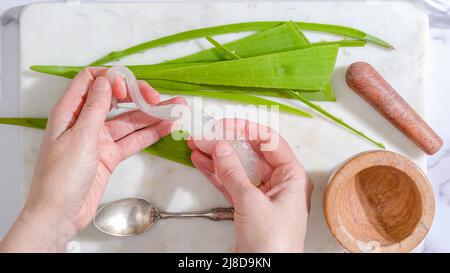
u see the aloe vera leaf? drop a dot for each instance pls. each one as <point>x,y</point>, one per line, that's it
<point>322,111</point>
<point>249,98</point>
<point>192,87</point>
<point>38,123</point>
<point>342,43</point>
<point>326,94</point>
<point>185,36</point>
<point>63,71</point>
<point>212,54</point>
<point>179,88</point>
<point>282,38</point>
<point>71,71</point>
<point>344,31</point>
<point>235,28</point>
<point>228,54</point>
<point>306,69</point>
<point>375,40</point>
<point>251,41</point>
<point>335,119</point>
<point>166,147</point>
<point>171,149</point>
<point>167,86</point>
<point>285,37</point>
<point>244,99</point>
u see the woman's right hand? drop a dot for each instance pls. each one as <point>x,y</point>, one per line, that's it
<point>273,216</point>
<point>79,152</point>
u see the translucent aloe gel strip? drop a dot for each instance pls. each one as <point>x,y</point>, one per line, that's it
<point>250,160</point>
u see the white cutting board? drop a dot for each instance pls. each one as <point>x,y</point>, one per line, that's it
<point>60,34</point>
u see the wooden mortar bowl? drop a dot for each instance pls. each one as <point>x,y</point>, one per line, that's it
<point>379,201</point>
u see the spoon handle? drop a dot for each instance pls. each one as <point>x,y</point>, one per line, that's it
<point>215,214</point>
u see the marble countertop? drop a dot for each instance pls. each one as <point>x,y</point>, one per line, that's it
<point>438,239</point>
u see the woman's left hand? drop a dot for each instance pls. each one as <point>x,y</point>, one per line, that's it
<point>79,152</point>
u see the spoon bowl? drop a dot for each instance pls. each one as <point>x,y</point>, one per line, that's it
<point>126,217</point>
<point>133,216</point>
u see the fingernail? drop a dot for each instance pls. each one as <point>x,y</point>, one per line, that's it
<point>223,149</point>
<point>101,84</point>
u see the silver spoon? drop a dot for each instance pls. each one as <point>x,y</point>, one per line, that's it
<point>133,216</point>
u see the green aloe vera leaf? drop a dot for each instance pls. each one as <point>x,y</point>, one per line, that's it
<point>377,41</point>
<point>209,56</point>
<point>140,71</point>
<point>236,95</point>
<point>179,88</point>
<point>326,94</point>
<point>285,37</point>
<point>342,43</point>
<point>248,98</point>
<point>184,36</point>
<point>38,123</point>
<point>344,31</point>
<point>171,149</point>
<point>236,28</point>
<point>228,54</point>
<point>244,99</point>
<point>63,71</point>
<point>166,147</point>
<point>184,87</point>
<point>212,54</point>
<point>163,86</point>
<point>335,119</point>
<point>306,69</point>
<point>145,72</point>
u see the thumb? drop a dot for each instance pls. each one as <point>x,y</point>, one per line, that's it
<point>230,171</point>
<point>96,107</point>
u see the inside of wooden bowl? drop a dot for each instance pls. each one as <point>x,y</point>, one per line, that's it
<point>381,204</point>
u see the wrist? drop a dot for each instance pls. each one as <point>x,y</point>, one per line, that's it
<point>39,229</point>
<point>52,223</point>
